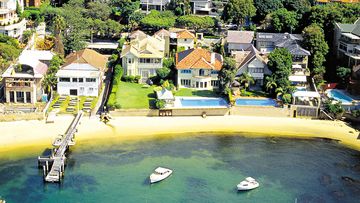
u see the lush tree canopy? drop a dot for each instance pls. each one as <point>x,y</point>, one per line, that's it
<point>314,41</point>
<point>264,7</point>
<point>227,74</point>
<point>195,22</point>
<point>280,63</point>
<point>237,11</point>
<point>284,20</point>
<point>157,20</point>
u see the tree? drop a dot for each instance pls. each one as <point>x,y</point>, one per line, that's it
<point>246,79</point>
<point>270,84</point>
<point>227,74</point>
<point>344,75</point>
<point>158,20</point>
<point>123,9</point>
<point>59,26</point>
<point>264,7</point>
<point>283,20</point>
<point>334,108</point>
<point>238,11</point>
<point>314,41</point>
<point>195,22</point>
<point>49,82</point>
<point>98,10</point>
<point>299,6</point>
<point>18,9</point>
<point>280,63</point>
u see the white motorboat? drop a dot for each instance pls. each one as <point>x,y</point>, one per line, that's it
<point>248,184</point>
<point>160,174</point>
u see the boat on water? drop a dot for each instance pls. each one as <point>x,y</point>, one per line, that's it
<point>160,174</point>
<point>248,184</point>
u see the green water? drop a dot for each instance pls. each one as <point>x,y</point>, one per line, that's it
<point>206,169</point>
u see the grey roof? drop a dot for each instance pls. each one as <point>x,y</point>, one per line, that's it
<point>183,54</point>
<point>284,40</point>
<point>240,36</point>
<point>350,28</point>
<point>250,54</point>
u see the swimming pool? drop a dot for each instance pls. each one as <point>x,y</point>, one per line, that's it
<point>339,96</point>
<point>196,102</point>
<point>255,102</point>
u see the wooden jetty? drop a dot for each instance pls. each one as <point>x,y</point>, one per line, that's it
<point>54,166</point>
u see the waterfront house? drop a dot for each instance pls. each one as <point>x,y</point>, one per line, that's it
<point>10,23</point>
<point>198,68</point>
<point>143,56</point>
<point>82,73</point>
<point>250,60</point>
<point>239,40</point>
<point>148,5</point>
<point>22,81</point>
<point>267,42</point>
<point>182,39</point>
<point>347,43</point>
<point>201,7</point>
<point>165,35</point>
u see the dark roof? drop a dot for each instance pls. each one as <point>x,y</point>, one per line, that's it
<point>183,54</point>
<point>350,28</point>
<point>284,40</point>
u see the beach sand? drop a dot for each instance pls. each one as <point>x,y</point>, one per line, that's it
<point>26,137</point>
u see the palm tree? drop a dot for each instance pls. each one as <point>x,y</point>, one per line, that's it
<point>246,79</point>
<point>49,82</point>
<point>270,84</point>
<point>279,91</point>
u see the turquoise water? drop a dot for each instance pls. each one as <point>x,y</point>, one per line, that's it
<point>206,169</point>
<point>339,96</point>
<point>255,102</point>
<point>209,102</point>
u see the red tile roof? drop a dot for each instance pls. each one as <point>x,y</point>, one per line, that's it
<point>198,58</point>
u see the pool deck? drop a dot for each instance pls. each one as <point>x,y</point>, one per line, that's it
<point>355,99</point>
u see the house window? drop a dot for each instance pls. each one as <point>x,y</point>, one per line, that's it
<point>215,83</point>
<point>256,70</point>
<point>64,79</point>
<point>74,79</point>
<point>90,79</point>
<point>185,40</point>
<point>185,71</point>
<point>81,79</point>
<point>201,72</point>
<point>214,72</point>
<point>185,82</point>
<point>130,60</point>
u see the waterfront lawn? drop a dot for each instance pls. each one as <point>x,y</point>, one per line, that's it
<point>135,96</point>
<point>188,92</point>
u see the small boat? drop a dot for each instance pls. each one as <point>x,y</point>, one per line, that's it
<point>248,184</point>
<point>160,174</point>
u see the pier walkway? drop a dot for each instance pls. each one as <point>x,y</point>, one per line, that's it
<point>57,158</point>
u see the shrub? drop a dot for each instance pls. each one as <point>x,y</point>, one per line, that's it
<point>286,98</point>
<point>334,108</point>
<point>160,104</point>
<point>355,113</point>
<point>231,98</point>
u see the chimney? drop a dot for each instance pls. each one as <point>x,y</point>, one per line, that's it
<point>212,58</point>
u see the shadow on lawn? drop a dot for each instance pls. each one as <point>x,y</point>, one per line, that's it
<point>152,98</point>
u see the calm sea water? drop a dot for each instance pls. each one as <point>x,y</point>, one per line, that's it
<point>206,169</point>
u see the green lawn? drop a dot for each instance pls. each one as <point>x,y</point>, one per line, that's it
<point>188,92</point>
<point>135,96</point>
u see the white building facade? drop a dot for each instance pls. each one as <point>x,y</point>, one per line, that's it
<point>10,23</point>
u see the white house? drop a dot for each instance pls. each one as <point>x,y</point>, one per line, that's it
<point>82,73</point>
<point>250,60</point>
<point>201,6</point>
<point>147,5</point>
<point>182,39</point>
<point>198,68</point>
<point>10,23</point>
<point>143,56</point>
<point>23,79</point>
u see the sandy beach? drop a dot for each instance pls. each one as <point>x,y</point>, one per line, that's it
<point>36,134</point>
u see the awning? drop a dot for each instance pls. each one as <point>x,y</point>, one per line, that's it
<point>297,78</point>
<point>311,94</point>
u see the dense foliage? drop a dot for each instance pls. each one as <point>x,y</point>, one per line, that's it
<point>280,63</point>
<point>227,75</point>
<point>157,20</point>
<point>195,22</point>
